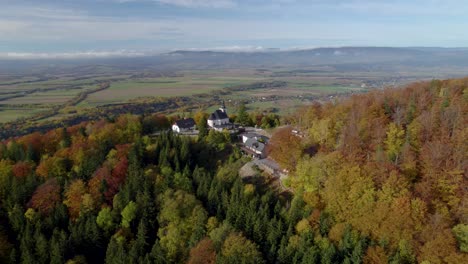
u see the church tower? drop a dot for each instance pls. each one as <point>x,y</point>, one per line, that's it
<point>223,108</point>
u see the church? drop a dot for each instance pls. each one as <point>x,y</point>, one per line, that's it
<point>219,119</point>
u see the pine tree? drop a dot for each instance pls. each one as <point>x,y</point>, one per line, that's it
<point>138,247</point>
<point>58,246</point>
<point>42,247</point>
<point>202,128</point>
<point>115,253</point>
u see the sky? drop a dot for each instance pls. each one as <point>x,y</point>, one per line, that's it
<point>81,28</point>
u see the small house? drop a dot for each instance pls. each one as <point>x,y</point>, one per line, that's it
<point>183,125</point>
<point>256,148</point>
<point>260,138</point>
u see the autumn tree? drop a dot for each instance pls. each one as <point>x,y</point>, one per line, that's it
<point>237,249</point>
<point>74,195</point>
<point>203,252</point>
<point>46,197</point>
<point>182,221</point>
<point>285,148</point>
<point>394,141</point>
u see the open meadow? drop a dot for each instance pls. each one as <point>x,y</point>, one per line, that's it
<point>22,97</point>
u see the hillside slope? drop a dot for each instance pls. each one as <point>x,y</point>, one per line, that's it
<point>391,164</point>
<point>378,178</point>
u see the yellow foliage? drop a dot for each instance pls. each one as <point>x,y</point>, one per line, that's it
<point>303,226</point>
<point>336,232</point>
<point>394,141</point>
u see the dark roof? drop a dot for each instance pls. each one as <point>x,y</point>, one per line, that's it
<point>229,125</point>
<point>218,114</point>
<point>252,143</point>
<point>185,123</point>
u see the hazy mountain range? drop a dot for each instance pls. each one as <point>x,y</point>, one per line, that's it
<point>356,58</point>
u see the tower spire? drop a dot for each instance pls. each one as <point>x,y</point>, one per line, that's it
<point>223,107</point>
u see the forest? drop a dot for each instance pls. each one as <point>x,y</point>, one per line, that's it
<point>376,178</point>
<point>391,165</point>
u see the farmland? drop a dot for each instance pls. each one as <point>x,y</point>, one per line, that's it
<point>64,93</point>
<point>23,97</point>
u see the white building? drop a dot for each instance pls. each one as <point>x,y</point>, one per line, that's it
<point>219,119</point>
<point>183,125</point>
<point>259,138</point>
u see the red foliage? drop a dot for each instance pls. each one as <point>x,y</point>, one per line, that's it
<point>95,185</point>
<point>120,170</point>
<point>22,169</point>
<point>46,197</point>
<point>122,150</point>
<point>51,140</point>
<point>113,180</point>
<point>203,253</point>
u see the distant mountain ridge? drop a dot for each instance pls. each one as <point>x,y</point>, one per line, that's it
<point>382,56</point>
<point>387,58</point>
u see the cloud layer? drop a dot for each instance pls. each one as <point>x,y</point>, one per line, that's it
<point>73,55</point>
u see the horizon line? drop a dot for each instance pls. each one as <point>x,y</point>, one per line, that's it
<point>123,53</point>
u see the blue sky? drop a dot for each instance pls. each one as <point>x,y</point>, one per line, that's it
<point>136,27</point>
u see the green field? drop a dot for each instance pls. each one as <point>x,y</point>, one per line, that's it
<point>40,94</point>
<point>12,114</point>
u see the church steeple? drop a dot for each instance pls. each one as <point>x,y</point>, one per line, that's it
<point>223,107</point>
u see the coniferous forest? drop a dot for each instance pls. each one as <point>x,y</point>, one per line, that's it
<point>376,178</point>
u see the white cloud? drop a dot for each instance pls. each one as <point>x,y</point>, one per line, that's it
<point>200,3</point>
<point>234,48</point>
<point>73,55</point>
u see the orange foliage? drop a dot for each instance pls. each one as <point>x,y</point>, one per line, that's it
<point>441,249</point>
<point>375,255</point>
<point>74,197</point>
<point>416,194</point>
<point>203,253</point>
<point>285,148</point>
<point>34,140</point>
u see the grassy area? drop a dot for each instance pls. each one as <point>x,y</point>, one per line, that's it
<point>125,87</point>
<point>281,107</point>
<point>11,114</point>
<point>186,85</point>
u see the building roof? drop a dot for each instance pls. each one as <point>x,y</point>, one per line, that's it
<point>228,125</point>
<point>258,137</point>
<point>218,115</point>
<point>250,135</point>
<point>185,123</point>
<point>254,144</point>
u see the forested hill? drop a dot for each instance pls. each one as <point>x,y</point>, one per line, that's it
<point>105,192</point>
<point>390,164</point>
<point>377,178</point>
